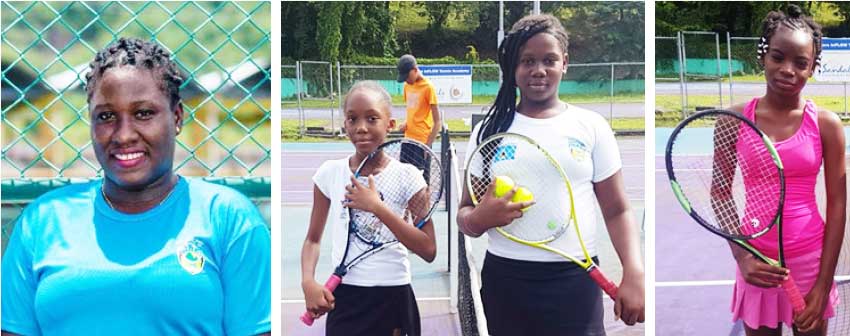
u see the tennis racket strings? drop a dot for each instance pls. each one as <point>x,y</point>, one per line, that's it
<point>528,167</point>
<point>744,179</point>
<point>397,188</point>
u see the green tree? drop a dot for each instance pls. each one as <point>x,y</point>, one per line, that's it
<point>438,13</point>
<point>369,30</point>
<point>328,34</point>
<point>298,30</point>
<point>314,30</point>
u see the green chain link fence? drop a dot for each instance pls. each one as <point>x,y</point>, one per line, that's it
<point>223,50</point>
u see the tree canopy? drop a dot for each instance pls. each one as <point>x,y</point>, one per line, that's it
<point>376,32</point>
<point>743,18</point>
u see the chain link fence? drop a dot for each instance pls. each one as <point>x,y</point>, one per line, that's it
<point>313,91</point>
<point>696,70</point>
<point>223,50</point>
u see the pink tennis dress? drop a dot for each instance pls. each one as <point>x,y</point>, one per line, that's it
<point>802,230</point>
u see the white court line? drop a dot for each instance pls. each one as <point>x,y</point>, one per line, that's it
<point>284,301</point>
<point>694,283</point>
<point>717,282</point>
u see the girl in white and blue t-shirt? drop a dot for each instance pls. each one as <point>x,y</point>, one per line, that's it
<point>529,291</point>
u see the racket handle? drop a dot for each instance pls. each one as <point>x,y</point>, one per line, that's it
<point>607,286</point>
<point>331,284</point>
<point>797,302</point>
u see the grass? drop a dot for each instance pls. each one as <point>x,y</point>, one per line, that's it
<point>668,108</point>
<point>745,78</point>
<point>481,100</point>
<point>289,128</point>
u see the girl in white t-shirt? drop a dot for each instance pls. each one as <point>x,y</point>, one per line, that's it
<point>529,291</point>
<point>375,297</point>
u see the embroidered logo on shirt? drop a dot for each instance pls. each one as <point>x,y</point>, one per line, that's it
<point>504,153</point>
<point>578,150</point>
<point>191,257</point>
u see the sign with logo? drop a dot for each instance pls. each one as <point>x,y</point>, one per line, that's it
<point>835,60</point>
<point>452,82</point>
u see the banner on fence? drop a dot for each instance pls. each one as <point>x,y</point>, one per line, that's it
<point>452,82</point>
<point>835,60</point>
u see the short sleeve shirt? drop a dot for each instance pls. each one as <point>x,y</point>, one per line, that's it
<point>390,266</point>
<point>197,264</point>
<point>584,145</point>
<point>419,97</point>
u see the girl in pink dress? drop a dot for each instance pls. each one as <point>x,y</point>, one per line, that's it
<point>806,138</point>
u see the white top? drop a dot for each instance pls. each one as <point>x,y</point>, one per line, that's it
<point>390,266</point>
<point>583,143</point>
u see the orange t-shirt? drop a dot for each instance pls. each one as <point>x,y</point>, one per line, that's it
<point>419,97</point>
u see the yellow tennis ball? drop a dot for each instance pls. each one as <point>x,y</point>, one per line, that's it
<point>503,185</point>
<point>522,195</point>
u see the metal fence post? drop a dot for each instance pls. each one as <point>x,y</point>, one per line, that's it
<point>719,74</point>
<point>729,66</point>
<point>339,95</point>
<point>611,104</point>
<point>682,90</point>
<point>299,79</point>
<point>331,92</point>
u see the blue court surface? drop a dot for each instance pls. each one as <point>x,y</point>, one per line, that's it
<point>431,282</point>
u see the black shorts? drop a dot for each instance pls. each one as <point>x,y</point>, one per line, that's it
<point>416,156</point>
<point>373,311</point>
<point>540,298</point>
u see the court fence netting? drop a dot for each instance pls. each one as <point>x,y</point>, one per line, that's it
<point>222,49</point>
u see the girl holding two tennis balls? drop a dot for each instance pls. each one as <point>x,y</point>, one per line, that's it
<point>526,290</point>
<point>504,184</point>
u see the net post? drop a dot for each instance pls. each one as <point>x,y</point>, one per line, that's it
<point>448,154</point>
<point>446,159</point>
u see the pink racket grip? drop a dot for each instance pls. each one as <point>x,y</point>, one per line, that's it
<point>331,284</point>
<point>607,286</point>
<point>797,302</point>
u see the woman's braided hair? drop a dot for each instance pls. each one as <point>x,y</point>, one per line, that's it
<point>140,54</point>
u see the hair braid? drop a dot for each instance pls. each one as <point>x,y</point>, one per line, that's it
<point>501,114</point>
<point>793,20</point>
<point>140,54</point>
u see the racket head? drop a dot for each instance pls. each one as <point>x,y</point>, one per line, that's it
<point>736,188</point>
<point>409,178</point>
<point>530,166</point>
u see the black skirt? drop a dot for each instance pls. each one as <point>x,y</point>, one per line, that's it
<point>373,311</point>
<point>540,298</point>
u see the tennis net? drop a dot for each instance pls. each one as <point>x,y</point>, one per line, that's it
<point>839,325</point>
<point>467,283</point>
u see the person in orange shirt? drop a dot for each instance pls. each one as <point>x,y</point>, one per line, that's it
<point>423,117</point>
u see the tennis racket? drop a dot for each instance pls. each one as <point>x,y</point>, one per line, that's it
<point>530,166</point>
<point>390,164</point>
<point>737,190</point>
